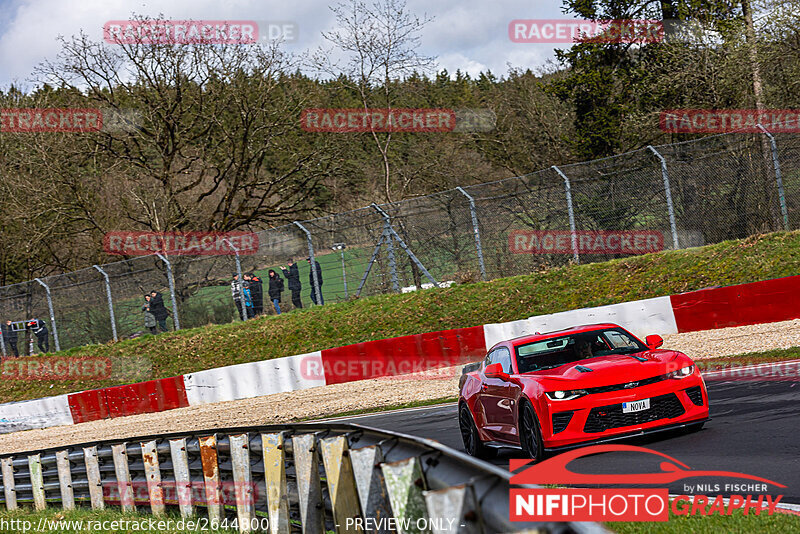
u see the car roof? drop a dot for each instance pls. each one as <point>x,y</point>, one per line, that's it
<point>529,338</point>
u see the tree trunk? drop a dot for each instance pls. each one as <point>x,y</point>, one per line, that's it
<point>758,93</point>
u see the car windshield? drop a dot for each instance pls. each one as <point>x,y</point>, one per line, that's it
<point>558,351</point>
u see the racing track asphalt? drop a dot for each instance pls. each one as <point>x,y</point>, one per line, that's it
<point>754,429</point>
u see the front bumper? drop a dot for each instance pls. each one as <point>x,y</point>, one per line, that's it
<point>599,417</point>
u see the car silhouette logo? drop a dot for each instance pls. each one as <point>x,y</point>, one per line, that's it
<point>555,471</point>
<point>630,385</point>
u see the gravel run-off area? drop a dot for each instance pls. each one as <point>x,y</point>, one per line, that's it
<point>367,394</point>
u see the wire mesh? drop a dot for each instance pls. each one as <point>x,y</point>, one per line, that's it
<point>722,187</point>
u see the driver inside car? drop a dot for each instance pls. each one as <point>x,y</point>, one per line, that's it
<point>582,349</point>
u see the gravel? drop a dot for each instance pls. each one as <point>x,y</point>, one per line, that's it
<point>366,394</point>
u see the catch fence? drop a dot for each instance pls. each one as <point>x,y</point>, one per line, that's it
<point>672,196</point>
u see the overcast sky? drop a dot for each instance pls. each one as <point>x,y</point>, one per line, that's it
<point>471,35</point>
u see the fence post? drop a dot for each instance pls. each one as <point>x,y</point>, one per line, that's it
<point>392,233</point>
<point>171,282</point>
<point>241,279</point>
<point>110,301</point>
<point>668,193</point>
<point>570,211</point>
<point>314,274</point>
<point>778,178</point>
<point>475,230</point>
<point>3,341</point>
<point>340,247</point>
<point>387,224</point>
<point>52,313</point>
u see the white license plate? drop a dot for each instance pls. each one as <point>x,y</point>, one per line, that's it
<point>636,406</point>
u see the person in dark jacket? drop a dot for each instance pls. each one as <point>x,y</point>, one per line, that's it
<point>275,289</point>
<point>10,338</point>
<point>257,294</point>
<point>40,330</point>
<point>293,276</point>
<point>311,281</point>
<point>247,296</point>
<point>236,293</point>
<point>159,310</point>
<point>149,318</point>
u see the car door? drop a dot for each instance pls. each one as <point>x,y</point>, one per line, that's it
<point>490,396</point>
<point>507,398</point>
<point>494,397</point>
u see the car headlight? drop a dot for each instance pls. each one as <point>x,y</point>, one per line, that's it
<point>681,373</point>
<point>566,395</point>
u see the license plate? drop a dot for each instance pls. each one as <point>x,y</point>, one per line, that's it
<point>636,406</point>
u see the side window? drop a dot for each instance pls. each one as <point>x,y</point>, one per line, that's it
<point>488,360</point>
<point>503,357</point>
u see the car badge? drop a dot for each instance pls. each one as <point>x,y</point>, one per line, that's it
<point>630,385</point>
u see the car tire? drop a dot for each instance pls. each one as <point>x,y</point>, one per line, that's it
<point>469,435</point>
<point>530,435</point>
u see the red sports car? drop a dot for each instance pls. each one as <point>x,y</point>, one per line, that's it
<point>586,384</point>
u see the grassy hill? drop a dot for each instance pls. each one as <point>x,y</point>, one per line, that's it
<point>732,262</point>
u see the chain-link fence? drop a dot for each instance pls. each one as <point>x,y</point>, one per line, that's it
<point>665,197</point>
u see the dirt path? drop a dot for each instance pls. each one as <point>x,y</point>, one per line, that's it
<point>318,402</point>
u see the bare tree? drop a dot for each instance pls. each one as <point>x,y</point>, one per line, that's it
<point>210,139</point>
<point>378,43</point>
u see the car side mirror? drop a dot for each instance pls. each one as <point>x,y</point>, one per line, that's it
<point>653,341</point>
<point>495,370</point>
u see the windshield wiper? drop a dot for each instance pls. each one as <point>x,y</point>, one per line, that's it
<point>548,367</point>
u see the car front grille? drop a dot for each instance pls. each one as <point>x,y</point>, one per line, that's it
<point>560,421</point>
<point>695,395</point>
<point>607,417</point>
<point>627,385</point>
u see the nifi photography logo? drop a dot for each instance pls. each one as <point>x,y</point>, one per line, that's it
<point>631,504</point>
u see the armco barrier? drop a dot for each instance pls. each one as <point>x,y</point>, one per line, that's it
<point>720,307</point>
<point>281,478</point>
<point>759,302</point>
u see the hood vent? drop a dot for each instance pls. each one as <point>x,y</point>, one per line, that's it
<point>584,369</point>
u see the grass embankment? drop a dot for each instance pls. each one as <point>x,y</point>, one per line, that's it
<point>664,273</point>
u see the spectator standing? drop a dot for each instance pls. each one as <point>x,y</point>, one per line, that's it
<point>159,310</point>
<point>293,276</point>
<point>311,281</point>
<point>149,318</point>
<point>247,295</point>
<point>42,334</point>
<point>10,338</point>
<point>236,293</point>
<point>257,294</point>
<point>275,289</point>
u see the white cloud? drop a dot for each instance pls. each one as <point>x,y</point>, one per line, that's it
<point>466,34</point>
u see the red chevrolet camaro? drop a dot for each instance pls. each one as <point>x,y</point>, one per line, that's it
<point>563,389</point>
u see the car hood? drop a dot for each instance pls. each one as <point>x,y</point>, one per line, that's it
<point>613,369</point>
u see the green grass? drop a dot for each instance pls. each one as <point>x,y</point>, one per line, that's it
<point>737,523</point>
<point>732,262</point>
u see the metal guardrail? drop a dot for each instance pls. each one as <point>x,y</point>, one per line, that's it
<point>309,478</point>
